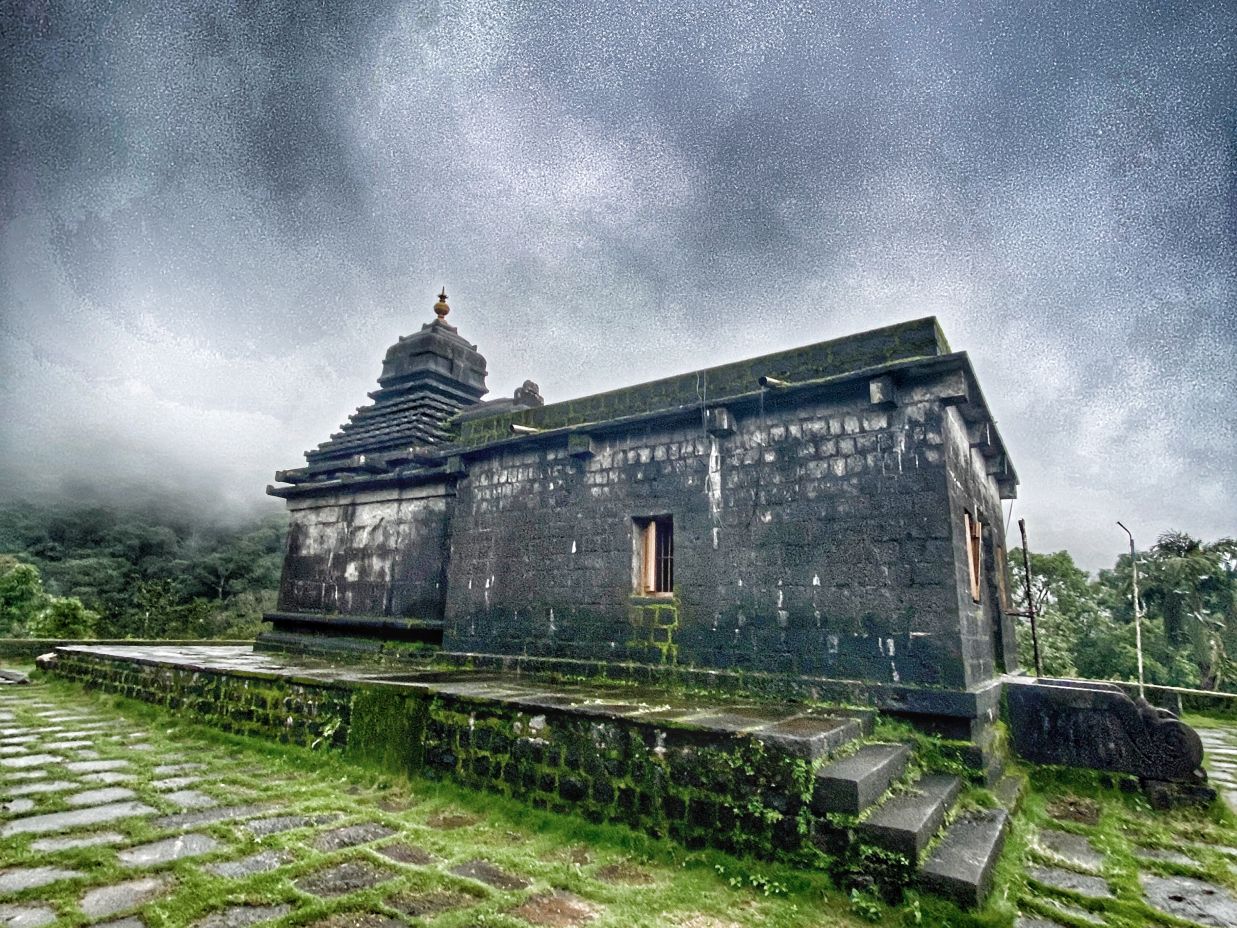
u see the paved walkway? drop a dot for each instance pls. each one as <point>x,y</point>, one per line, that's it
<point>110,819</point>
<point>1220,759</point>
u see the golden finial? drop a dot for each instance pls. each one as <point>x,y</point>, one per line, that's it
<point>441,307</point>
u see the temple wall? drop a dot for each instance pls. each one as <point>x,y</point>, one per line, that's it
<point>375,552</point>
<point>817,539</point>
<point>987,631</point>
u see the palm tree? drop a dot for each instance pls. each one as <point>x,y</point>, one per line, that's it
<point>1193,586</point>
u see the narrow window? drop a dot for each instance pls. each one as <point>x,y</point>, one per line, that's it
<point>654,555</point>
<point>974,552</point>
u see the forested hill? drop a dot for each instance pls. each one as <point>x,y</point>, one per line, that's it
<point>160,570</point>
<point>148,570</point>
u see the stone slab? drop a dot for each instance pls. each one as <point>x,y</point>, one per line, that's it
<point>95,766</point>
<point>42,786</point>
<point>239,916</point>
<point>109,777</point>
<point>191,799</point>
<point>810,737</point>
<point>281,823</point>
<point>171,783</point>
<point>164,770</point>
<point>1072,848</point>
<point>1083,884</point>
<point>853,783</point>
<point>70,843</point>
<point>17,879</point>
<point>485,872</point>
<point>97,797</point>
<point>193,844</point>
<point>26,916</point>
<point>351,835</point>
<point>119,897</point>
<point>29,760</point>
<point>78,818</point>
<point>404,853</point>
<point>960,867</point>
<point>1165,855</point>
<point>1188,898</point>
<point>207,816</point>
<point>907,822</point>
<point>261,862</point>
<point>343,878</point>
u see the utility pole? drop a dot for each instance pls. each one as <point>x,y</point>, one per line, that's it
<point>1030,613</point>
<point>1138,628</point>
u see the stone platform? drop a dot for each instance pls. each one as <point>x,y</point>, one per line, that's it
<point>109,818</point>
<point>771,779</point>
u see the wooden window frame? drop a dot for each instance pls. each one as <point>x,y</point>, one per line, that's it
<point>974,554</point>
<point>654,547</point>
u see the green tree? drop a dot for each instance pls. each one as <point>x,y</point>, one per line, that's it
<point>1065,607</point>
<point>21,596</point>
<point>64,618</point>
<point>1192,586</point>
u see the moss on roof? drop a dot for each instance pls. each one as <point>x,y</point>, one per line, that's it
<point>904,341</point>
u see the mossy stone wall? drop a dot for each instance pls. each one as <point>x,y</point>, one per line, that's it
<point>694,786</point>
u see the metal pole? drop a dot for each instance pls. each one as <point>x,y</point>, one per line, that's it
<point>1026,579</point>
<point>1138,625</point>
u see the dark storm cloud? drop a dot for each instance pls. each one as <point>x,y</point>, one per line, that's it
<point>216,219</point>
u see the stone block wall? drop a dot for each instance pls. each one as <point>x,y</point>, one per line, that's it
<point>988,634</point>
<point>815,539</point>
<point>375,552</point>
<point>697,787</point>
<point>700,787</point>
<point>266,707</point>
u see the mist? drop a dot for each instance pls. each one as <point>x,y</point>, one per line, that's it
<point>214,222</point>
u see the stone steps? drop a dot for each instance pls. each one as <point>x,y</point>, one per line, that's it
<point>960,867</point>
<point>852,784</point>
<point>906,823</point>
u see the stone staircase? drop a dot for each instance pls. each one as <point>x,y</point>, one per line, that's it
<point>865,800</point>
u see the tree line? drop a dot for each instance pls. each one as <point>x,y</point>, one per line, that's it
<point>162,571</point>
<point>152,570</point>
<point>1188,596</point>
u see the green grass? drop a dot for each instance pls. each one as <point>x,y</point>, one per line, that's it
<point>558,851</point>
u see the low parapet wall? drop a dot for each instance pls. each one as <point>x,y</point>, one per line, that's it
<point>697,785</point>
<point>29,648</point>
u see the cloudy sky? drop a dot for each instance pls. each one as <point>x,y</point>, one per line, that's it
<point>215,217</point>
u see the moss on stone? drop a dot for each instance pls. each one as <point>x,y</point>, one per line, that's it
<point>387,730</point>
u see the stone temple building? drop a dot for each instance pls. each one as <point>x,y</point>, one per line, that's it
<point>826,519</point>
<point>770,554</point>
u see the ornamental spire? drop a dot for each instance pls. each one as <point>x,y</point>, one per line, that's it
<point>441,307</point>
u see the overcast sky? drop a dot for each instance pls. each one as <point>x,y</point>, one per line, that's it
<point>216,217</point>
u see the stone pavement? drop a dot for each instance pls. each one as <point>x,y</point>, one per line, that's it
<point>114,822</point>
<point>1220,759</point>
<point>112,819</point>
<point>1117,862</point>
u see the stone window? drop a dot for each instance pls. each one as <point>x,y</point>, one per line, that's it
<point>654,555</point>
<point>974,552</point>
